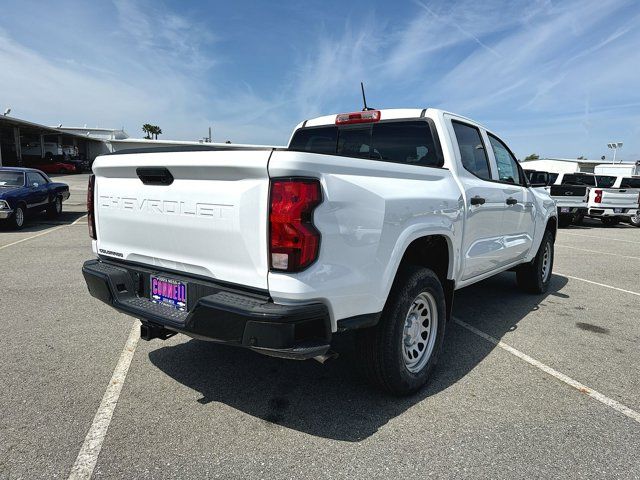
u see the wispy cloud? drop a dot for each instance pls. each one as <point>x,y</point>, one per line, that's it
<point>558,78</point>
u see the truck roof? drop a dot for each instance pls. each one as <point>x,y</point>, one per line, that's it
<point>385,114</point>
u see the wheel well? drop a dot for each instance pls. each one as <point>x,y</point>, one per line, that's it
<point>552,226</point>
<point>432,252</point>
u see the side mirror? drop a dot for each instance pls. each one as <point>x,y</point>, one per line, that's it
<point>35,185</point>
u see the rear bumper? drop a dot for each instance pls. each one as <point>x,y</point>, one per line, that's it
<point>219,313</point>
<point>571,210</point>
<point>610,212</point>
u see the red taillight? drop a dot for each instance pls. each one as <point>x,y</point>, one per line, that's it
<point>598,198</point>
<point>294,241</point>
<point>366,116</point>
<point>91,219</point>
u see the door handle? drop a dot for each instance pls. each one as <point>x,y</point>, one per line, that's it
<point>477,200</point>
<point>154,175</point>
<point>511,201</point>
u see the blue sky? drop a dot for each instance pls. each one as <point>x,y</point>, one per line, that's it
<point>559,78</point>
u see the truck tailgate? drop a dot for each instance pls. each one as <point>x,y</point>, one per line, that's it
<point>569,195</point>
<point>211,220</point>
<point>615,198</point>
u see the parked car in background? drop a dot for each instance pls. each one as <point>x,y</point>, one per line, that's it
<point>54,166</point>
<point>615,199</point>
<point>368,221</point>
<point>25,191</point>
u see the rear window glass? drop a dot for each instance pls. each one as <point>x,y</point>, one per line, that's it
<point>404,142</point>
<point>605,181</point>
<point>409,142</point>
<point>630,183</point>
<point>552,178</point>
<point>317,140</point>
<point>354,141</point>
<point>578,179</point>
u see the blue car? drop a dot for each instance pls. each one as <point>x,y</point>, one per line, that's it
<point>25,191</point>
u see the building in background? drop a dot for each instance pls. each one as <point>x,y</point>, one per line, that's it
<point>23,143</point>
<point>567,165</point>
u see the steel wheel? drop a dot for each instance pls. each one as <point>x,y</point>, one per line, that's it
<point>420,331</point>
<point>19,217</point>
<point>546,262</point>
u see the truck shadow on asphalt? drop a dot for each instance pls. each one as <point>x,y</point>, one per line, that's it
<point>332,400</point>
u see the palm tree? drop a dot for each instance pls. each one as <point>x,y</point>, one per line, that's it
<point>156,131</point>
<point>148,129</point>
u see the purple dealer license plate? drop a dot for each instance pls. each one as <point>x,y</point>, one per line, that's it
<point>169,292</point>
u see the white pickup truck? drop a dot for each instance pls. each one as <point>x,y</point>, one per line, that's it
<point>569,190</point>
<point>615,199</point>
<point>367,221</point>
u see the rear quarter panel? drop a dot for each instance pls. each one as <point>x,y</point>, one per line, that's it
<point>371,211</point>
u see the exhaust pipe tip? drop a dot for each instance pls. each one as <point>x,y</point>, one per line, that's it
<point>325,357</point>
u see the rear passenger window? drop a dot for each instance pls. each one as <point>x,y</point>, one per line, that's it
<point>472,151</point>
<point>317,140</point>
<point>404,142</point>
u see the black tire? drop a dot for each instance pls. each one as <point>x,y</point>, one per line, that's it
<point>535,276</point>
<point>578,218</point>
<point>564,221</point>
<point>55,209</point>
<point>19,217</point>
<point>382,348</point>
<point>635,220</point>
<point>610,221</point>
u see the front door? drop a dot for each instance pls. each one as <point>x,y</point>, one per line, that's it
<point>519,216</point>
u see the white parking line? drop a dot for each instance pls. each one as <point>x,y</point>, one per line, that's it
<point>596,251</point>
<point>88,456</point>
<point>42,233</point>
<point>599,284</point>
<point>609,402</point>
<point>608,239</point>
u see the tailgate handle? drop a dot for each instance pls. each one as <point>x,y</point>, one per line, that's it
<point>154,175</point>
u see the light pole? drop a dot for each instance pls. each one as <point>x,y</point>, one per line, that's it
<point>615,146</point>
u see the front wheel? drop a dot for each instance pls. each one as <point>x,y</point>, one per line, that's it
<point>18,217</point>
<point>535,276</point>
<point>399,354</point>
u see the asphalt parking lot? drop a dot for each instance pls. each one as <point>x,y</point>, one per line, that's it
<point>191,409</point>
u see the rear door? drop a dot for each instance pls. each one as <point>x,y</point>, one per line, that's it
<point>203,213</point>
<point>482,240</point>
<point>518,219</point>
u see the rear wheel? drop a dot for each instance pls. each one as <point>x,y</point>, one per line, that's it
<point>535,276</point>
<point>578,218</point>
<point>55,209</point>
<point>635,220</point>
<point>18,218</point>
<point>399,354</point>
